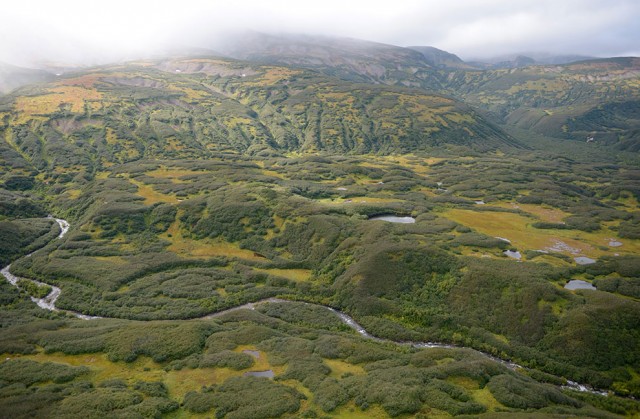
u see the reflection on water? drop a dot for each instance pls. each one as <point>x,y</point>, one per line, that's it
<point>582,260</point>
<point>512,254</point>
<point>394,219</point>
<point>267,373</point>
<point>578,284</point>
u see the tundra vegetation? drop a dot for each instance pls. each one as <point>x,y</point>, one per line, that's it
<point>227,182</point>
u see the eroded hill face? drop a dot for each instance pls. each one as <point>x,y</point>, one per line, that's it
<point>582,100</point>
<point>192,107</point>
<point>592,99</point>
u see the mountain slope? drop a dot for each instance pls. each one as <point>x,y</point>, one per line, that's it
<point>12,77</point>
<point>349,59</point>
<point>196,185</point>
<point>563,101</point>
<point>441,59</point>
<point>188,107</point>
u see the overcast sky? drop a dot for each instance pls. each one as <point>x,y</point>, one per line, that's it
<point>92,32</point>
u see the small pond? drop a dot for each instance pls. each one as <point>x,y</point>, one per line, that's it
<point>394,219</point>
<point>582,260</point>
<point>578,284</point>
<point>512,254</point>
<point>267,373</point>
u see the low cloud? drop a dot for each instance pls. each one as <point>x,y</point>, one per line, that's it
<point>71,31</point>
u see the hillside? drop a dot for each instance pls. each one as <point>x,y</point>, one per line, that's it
<point>576,100</point>
<point>225,255</point>
<point>193,107</point>
<point>590,99</point>
<point>441,59</point>
<point>349,59</point>
<point>12,77</point>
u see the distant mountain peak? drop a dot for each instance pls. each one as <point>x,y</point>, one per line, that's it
<point>439,58</point>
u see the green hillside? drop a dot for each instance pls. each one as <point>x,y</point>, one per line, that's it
<point>199,185</point>
<point>193,107</point>
<point>591,99</point>
<point>587,99</point>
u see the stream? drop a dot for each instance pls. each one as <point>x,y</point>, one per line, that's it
<point>48,303</point>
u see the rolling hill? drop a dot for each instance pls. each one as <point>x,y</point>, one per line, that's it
<point>191,107</point>
<point>589,99</point>
<point>224,247</point>
<point>566,100</point>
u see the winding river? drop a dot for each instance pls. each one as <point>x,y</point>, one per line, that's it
<point>49,303</point>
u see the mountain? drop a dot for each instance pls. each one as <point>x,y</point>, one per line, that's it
<point>349,59</point>
<point>571,101</point>
<point>12,77</point>
<point>526,59</point>
<point>298,235</point>
<point>440,59</point>
<point>588,99</point>
<point>193,106</point>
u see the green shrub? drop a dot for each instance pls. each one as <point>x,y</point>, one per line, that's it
<point>254,398</point>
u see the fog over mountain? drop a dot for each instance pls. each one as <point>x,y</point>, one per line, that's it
<point>71,31</point>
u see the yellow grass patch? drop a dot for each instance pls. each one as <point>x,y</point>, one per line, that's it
<point>630,202</point>
<point>103,369</point>
<point>261,363</point>
<point>204,248</point>
<point>150,195</point>
<point>557,307</point>
<point>111,136</point>
<point>305,403</point>
<point>73,97</point>
<point>484,397</point>
<point>194,94</point>
<point>350,410</point>
<point>278,221</point>
<point>185,380</point>
<point>73,193</point>
<point>518,230</point>
<point>464,382</point>
<point>145,369</point>
<point>172,173</point>
<point>275,75</point>
<point>338,368</point>
<point>207,248</point>
<point>501,338</point>
<point>419,165</point>
<point>272,173</point>
<point>63,169</point>
<point>542,212</point>
<point>173,144</point>
<point>297,275</point>
<point>459,117</point>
